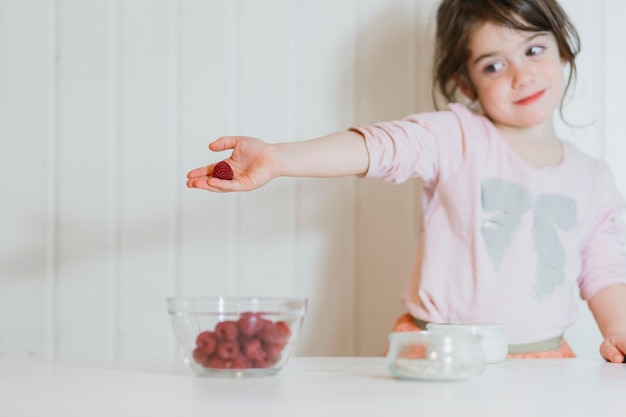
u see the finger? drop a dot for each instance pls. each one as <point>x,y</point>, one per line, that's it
<point>200,172</point>
<point>203,184</point>
<point>612,353</point>
<point>620,344</point>
<point>214,184</point>
<point>224,143</point>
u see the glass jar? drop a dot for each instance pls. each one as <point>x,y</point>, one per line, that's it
<point>435,355</point>
<point>494,344</point>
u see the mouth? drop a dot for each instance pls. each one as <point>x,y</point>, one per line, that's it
<point>530,99</point>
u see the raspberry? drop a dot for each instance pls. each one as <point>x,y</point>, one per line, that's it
<point>207,342</point>
<point>268,331</point>
<point>250,323</point>
<point>243,340</point>
<point>223,171</point>
<point>227,330</point>
<point>250,342</point>
<point>241,362</point>
<point>200,357</point>
<point>258,364</point>
<point>219,363</point>
<point>228,350</point>
<point>282,331</point>
<point>273,349</point>
<point>254,350</point>
<point>271,361</point>
<point>266,363</point>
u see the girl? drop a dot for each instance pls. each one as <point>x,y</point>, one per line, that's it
<point>513,216</point>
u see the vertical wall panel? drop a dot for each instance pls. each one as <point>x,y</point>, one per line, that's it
<point>325,207</point>
<point>209,73</point>
<point>174,151</point>
<point>83,131</point>
<point>266,108</point>
<point>144,125</point>
<point>384,211</point>
<point>423,46</point>
<point>27,133</point>
<point>602,32</point>
<point>111,256</point>
<point>614,90</point>
<point>584,112</point>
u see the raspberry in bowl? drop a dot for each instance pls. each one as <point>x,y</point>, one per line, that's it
<point>236,336</point>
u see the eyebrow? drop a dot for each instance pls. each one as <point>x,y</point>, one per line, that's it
<point>525,41</point>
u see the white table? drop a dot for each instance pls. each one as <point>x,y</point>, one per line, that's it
<point>309,387</point>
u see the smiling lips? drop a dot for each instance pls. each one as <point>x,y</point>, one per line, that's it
<point>530,99</point>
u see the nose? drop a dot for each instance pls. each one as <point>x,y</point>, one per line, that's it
<point>521,75</point>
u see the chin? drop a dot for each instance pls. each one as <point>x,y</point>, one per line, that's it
<point>532,119</point>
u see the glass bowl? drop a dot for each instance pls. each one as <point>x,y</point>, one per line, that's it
<point>435,355</point>
<point>236,336</point>
<point>495,346</point>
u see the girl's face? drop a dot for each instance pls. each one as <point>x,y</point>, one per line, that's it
<point>518,77</point>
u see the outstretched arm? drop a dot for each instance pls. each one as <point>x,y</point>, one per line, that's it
<point>255,162</point>
<point>609,309</point>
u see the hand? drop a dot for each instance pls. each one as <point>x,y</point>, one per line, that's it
<point>613,349</point>
<point>253,162</point>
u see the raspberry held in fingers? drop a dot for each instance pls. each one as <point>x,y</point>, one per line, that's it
<point>223,171</point>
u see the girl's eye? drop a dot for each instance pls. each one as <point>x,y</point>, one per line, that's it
<point>535,50</point>
<point>494,67</point>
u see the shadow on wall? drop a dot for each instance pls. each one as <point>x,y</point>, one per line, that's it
<point>387,217</point>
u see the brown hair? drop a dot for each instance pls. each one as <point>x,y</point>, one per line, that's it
<point>457,19</point>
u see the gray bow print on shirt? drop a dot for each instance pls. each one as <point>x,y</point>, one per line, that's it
<point>510,202</point>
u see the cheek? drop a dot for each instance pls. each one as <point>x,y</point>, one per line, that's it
<point>558,82</point>
<point>562,79</point>
<point>557,74</point>
<point>491,93</point>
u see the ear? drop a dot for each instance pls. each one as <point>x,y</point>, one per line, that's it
<point>466,87</point>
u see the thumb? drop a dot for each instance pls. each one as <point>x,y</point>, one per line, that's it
<point>613,349</point>
<point>223,143</point>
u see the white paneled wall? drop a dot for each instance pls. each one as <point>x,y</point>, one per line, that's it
<point>106,104</point>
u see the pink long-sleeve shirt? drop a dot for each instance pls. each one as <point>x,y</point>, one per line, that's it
<point>502,241</point>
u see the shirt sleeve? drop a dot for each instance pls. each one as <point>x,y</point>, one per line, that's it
<point>419,146</point>
<point>603,253</point>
